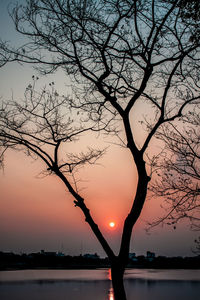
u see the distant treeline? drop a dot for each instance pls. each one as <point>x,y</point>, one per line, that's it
<point>51,260</point>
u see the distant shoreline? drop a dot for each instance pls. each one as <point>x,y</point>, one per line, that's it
<point>95,268</point>
<point>47,260</point>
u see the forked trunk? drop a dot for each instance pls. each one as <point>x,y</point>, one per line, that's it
<point>117,275</point>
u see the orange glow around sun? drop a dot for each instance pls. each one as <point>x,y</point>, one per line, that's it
<point>112,224</point>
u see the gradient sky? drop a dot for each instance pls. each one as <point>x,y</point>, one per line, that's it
<point>38,213</point>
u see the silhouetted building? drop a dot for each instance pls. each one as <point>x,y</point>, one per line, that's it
<point>150,256</point>
<point>60,254</point>
<point>132,256</point>
<point>48,253</point>
<point>91,256</point>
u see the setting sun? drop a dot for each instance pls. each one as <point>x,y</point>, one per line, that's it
<point>112,224</point>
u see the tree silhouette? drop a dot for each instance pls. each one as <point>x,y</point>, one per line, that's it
<point>178,171</point>
<point>118,55</point>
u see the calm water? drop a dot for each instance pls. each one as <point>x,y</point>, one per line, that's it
<point>140,284</point>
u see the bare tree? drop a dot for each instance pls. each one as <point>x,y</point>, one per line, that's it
<point>118,55</point>
<point>178,171</point>
<point>40,126</point>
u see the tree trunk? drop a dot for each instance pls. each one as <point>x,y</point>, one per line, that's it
<point>117,274</point>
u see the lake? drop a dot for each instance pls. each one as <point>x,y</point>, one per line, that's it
<point>141,284</point>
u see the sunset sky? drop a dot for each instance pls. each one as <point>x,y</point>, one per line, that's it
<point>37,212</point>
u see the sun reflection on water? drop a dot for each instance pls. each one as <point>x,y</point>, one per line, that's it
<point>109,275</point>
<point>111,294</point>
